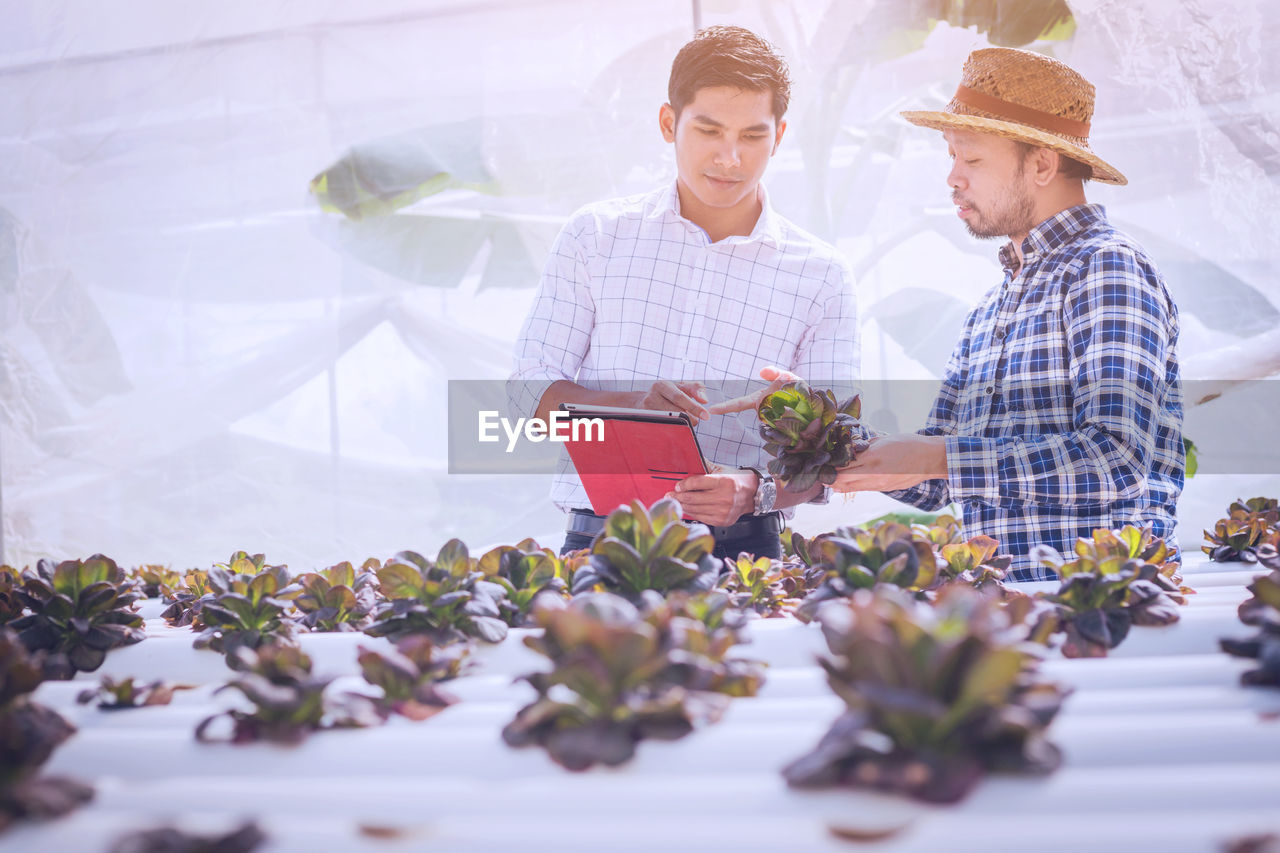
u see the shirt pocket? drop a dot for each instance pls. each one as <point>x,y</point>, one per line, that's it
<point>1031,407</point>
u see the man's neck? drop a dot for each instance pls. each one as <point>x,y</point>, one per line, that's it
<point>1049,207</point>
<point>719,223</point>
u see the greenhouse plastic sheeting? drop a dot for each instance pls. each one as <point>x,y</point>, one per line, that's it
<point>244,246</point>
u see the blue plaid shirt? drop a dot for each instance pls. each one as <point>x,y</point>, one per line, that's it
<point>1061,402</point>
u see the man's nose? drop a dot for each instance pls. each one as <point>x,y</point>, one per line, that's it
<point>727,154</point>
<point>955,178</point>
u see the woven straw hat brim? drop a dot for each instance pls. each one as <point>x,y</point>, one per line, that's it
<point>1103,171</point>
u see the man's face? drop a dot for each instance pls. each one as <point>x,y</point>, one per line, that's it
<point>724,138</point>
<point>989,184</point>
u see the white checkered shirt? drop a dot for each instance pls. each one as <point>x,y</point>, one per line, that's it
<point>633,292</point>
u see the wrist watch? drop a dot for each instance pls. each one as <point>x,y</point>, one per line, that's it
<point>766,492</point>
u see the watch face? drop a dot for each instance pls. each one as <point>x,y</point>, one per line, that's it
<point>768,495</point>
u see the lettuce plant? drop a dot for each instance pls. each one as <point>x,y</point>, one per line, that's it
<point>338,598</point>
<point>187,598</point>
<point>524,571</point>
<point>11,606</point>
<point>116,695</point>
<point>975,563</point>
<point>242,563</point>
<point>29,733</point>
<point>936,696</point>
<point>1246,527</point>
<point>448,600</point>
<point>409,675</point>
<point>810,435</point>
<point>243,610</point>
<point>653,549</point>
<point>1260,610</point>
<point>760,584</point>
<point>619,676</point>
<point>79,610</point>
<point>171,839</point>
<point>1108,588</point>
<point>945,529</point>
<point>288,701</point>
<point>157,581</point>
<point>856,558</point>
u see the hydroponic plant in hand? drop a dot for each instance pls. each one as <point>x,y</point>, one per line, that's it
<point>619,675</point>
<point>810,435</point>
<point>936,696</point>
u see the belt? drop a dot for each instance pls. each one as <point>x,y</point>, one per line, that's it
<point>582,521</point>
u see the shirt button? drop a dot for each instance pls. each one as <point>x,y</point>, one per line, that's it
<point>1000,334</point>
<point>991,389</point>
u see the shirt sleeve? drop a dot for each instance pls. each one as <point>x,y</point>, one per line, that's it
<point>556,334</point>
<point>1116,321</point>
<point>830,352</point>
<point>933,495</point>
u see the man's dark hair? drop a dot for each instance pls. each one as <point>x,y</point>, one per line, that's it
<point>729,56</point>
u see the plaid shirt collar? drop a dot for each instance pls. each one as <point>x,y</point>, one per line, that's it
<point>768,229</point>
<point>1057,230</point>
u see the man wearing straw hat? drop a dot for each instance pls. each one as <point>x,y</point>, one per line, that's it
<point>1060,409</point>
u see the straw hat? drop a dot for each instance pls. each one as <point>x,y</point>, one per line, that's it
<point>1025,96</point>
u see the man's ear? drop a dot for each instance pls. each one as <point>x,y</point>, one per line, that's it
<point>777,139</point>
<point>1044,165</point>
<point>667,122</point>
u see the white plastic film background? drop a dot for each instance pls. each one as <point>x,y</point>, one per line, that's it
<point>204,349</point>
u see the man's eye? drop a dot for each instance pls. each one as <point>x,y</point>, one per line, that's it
<point>972,162</point>
<point>754,136</point>
<point>706,131</point>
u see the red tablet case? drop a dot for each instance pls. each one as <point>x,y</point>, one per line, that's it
<point>637,460</point>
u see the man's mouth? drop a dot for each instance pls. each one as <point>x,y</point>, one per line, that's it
<point>723,181</point>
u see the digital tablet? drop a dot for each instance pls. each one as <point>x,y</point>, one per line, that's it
<point>630,454</point>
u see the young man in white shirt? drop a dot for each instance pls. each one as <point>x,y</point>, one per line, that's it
<point>674,298</point>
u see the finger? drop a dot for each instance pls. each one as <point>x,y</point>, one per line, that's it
<point>696,483</point>
<point>680,401</point>
<point>776,374</point>
<point>736,404</point>
<point>694,389</point>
